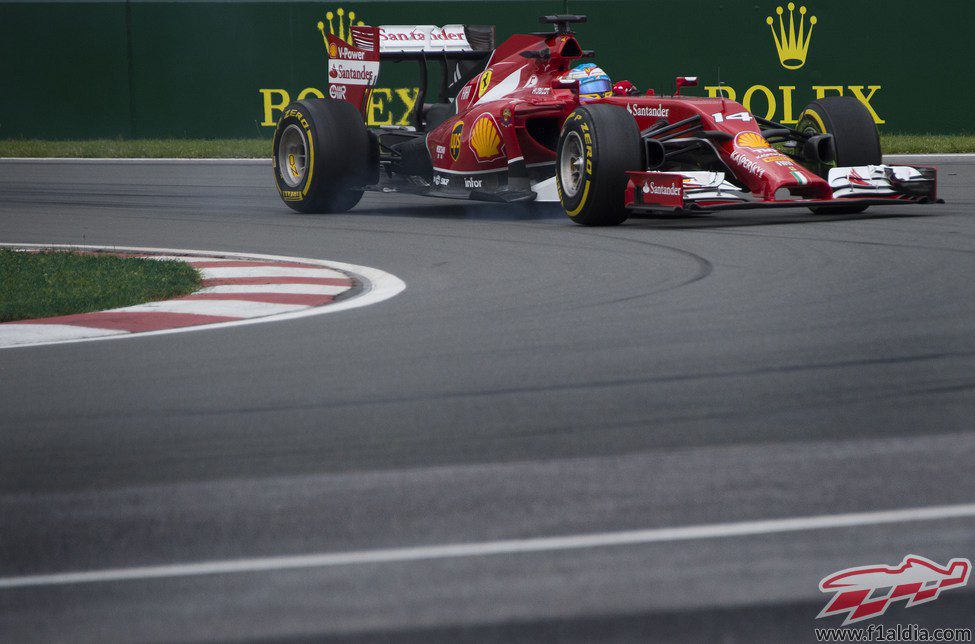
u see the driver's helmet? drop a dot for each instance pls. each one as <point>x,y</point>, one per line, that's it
<point>593,81</point>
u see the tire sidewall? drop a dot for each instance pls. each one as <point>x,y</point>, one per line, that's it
<point>611,146</point>
<point>579,122</point>
<point>855,138</point>
<point>339,155</point>
<point>301,195</point>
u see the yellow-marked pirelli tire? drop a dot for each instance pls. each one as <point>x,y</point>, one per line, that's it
<point>323,156</point>
<point>598,144</point>
<point>855,138</point>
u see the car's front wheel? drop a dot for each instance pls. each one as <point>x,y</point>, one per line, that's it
<point>855,138</point>
<point>598,144</point>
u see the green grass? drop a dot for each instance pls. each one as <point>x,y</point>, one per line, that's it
<point>139,148</point>
<point>927,143</point>
<point>261,148</point>
<point>38,285</point>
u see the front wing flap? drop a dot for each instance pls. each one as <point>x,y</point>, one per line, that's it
<point>671,192</point>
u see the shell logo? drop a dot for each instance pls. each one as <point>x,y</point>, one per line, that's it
<point>751,140</point>
<point>455,140</point>
<point>486,139</point>
<point>333,50</point>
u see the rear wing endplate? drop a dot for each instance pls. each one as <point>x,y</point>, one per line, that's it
<point>353,64</point>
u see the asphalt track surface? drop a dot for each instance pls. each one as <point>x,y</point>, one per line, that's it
<point>535,379</point>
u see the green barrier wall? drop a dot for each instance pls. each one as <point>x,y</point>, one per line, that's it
<point>224,69</point>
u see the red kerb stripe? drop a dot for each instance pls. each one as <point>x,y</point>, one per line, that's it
<point>133,322</point>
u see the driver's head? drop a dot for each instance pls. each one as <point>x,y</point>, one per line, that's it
<point>593,81</point>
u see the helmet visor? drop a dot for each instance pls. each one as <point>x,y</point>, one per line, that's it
<point>595,86</point>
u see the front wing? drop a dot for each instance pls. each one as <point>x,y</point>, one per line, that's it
<point>873,185</point>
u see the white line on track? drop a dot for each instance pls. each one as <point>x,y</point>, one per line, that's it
<point>506,547</point>
<point>378,286</point>
<point>196,260</point>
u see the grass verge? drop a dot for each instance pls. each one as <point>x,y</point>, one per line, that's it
<point>139,148</point>
<point>927,143</point>
<point>261,148</point>
<point>39,285</point>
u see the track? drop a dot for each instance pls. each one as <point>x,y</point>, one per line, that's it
<point>535,379</point>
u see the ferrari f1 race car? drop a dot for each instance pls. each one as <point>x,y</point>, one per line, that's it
<point>526,122</point>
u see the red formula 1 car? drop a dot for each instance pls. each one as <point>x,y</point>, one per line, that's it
<point>515,123</point>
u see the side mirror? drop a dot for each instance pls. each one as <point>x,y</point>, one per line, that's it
<point>567,84</point>
<point>819,148</point>
<point>685,81</point>
<point>538,54</point>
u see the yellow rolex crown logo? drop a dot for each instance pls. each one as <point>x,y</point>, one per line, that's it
<point>792,45</point>
<point>338,25</point>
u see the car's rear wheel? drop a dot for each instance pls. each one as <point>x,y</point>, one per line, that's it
<point>598,144</point>
<point>855,138</point>
<point>322,156</point>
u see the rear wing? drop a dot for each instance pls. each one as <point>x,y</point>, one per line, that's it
<point>353,64</point>
<point>454,41</point>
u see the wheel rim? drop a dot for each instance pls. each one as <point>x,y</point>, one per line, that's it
<point>292,156</point>
<point>571,164</point>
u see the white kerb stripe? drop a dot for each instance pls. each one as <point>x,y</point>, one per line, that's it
<point>224,308</point>
<point>377,286</point>
<point>267,271</point>
<point>14,334</point>
<point>512,546</point>
<point>304,289</point>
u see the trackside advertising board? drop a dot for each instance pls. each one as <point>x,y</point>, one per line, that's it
<point>227,69</point>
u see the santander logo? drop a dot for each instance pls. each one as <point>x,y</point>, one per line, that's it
<point>422,34</point>
<point>654,189</point>
<point>400,34</point>
<point>341,73</point>
<point>641,110</point>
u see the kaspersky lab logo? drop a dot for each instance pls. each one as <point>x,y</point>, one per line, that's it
<point>792,45</point>
<point>868,591</point>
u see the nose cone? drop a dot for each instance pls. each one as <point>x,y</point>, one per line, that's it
<point>774,174</point>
